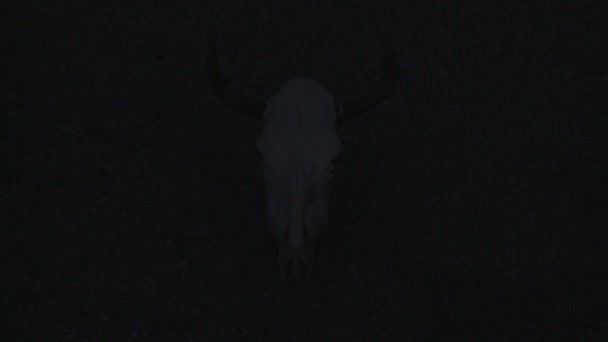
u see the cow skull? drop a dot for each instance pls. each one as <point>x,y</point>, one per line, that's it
<point>299,143</point>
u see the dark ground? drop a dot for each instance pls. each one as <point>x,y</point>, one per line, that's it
<point>471,206</point>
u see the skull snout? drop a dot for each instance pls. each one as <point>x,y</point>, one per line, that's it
<point>295,263</point>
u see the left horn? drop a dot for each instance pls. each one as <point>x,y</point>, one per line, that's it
<point>245,105</point>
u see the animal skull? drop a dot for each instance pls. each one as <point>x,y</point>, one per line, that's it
<point>299,143</point>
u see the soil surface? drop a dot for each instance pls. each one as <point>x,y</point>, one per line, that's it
<point>469,206</point>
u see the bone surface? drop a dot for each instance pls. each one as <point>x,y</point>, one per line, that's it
<point>298,143</point>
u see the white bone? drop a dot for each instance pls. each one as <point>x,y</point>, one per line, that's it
<point>298,143</point>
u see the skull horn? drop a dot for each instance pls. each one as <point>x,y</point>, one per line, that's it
<point>245,105</point>
<point>379,92</point>
<point>254,107</point>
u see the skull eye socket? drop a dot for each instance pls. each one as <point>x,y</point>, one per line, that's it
<point>320,188</point>
<point>327,173</point>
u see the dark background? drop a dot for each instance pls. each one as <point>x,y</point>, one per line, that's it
<point>472,205</point>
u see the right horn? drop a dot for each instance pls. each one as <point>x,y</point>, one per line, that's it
<point>380,91</point>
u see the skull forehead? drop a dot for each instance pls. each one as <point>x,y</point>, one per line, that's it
<point>299,132</point>
<point>300,99</point>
